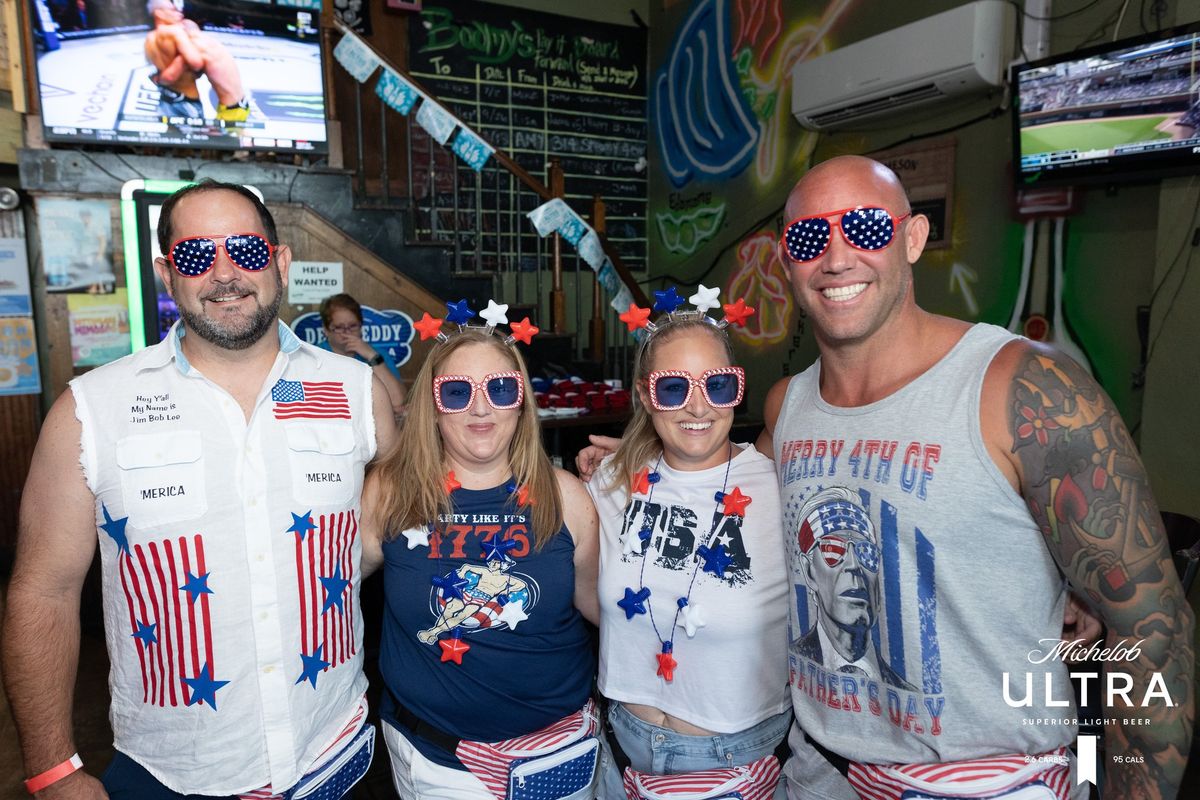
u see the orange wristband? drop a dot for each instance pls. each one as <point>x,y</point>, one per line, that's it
<point>54,774</point>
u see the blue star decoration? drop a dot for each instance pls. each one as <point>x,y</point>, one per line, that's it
<point>496,549</point>
<point>459,313</point>
<point>302,524</point>
<point>335,588</point>
<point>115,528</point>
<point>667,300</point>
<point>145,633</point>
<point>634,602</point>
<point>450,584</point>
<point>196,585</point>
<point>716,560</point>
<point>204,688</point>
<point>312,666</point>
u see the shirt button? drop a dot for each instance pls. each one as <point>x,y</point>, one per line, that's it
<point>260,557</point>
<point>253,501</point>
<point>267,670</point>
<point>264,616</point>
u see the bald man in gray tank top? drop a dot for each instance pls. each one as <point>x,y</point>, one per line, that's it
<point>978,476</point>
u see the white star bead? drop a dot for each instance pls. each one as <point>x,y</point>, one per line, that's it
<point>512,613</point>
<point>690,619</point>
<point>495,314</point>
<point>705,298</point>
<point>632,540</point>
<point>417,537</point>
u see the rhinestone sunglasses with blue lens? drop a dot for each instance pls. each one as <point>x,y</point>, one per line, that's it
<point>194,256</point>
<point>864,228</point>
<point>671,389</point>
<point>453,394</point>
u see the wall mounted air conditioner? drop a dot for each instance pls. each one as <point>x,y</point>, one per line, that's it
<point>957,52</point>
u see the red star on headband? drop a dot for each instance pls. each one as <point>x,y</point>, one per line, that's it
<point>736,502</point>
<point>737,313</point>
<point>641,481</point>
<point>636,317</point>
<point>666,666</point>
<point>429,327</point>
<point>453,649</point>
<point>523,331</point>
<point>451,482</point>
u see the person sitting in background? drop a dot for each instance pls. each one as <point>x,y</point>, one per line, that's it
<point>342,320</point>
<point>489,561</point>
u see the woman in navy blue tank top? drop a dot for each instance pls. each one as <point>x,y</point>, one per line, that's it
<point>490,558</point>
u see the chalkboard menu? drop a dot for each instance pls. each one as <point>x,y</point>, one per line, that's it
<point>540,85</point>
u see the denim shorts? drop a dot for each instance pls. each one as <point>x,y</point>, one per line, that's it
<point>662,751</point>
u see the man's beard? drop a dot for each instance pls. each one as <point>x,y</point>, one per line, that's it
<point>262,321</point>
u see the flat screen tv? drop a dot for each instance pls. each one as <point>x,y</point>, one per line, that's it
<point>1124,111</point>
<point>227,74</point>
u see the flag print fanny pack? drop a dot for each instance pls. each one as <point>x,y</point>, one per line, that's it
<point>1046,776</point>
<point>754,781</point>
<point>555,763</point>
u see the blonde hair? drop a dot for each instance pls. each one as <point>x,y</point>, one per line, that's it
<point>412,492</point>
<point>640,444</point>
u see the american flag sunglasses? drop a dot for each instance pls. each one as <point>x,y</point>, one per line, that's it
<point>453,394</point>
<point>194,256</point>
<point>671,389</point>
<point>833,551</point>
<point>863,227</point>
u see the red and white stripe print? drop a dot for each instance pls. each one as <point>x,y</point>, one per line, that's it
<point>754,781</point>
<point>490,761</point>
<point>983,777</point>
<point>320,554</point>
<point>152,576</point>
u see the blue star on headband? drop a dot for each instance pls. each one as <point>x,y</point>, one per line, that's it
<point>459,313</point>
<point>667,300</point>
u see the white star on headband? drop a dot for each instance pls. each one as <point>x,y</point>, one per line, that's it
<point>705,298</point>
<point>495,314</point>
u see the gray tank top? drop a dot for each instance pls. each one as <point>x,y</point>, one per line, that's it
<point>919,577</point>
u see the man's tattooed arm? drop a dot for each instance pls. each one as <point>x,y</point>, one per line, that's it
<point>1085,485</point>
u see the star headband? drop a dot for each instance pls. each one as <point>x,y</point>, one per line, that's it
<point>668,301</point>
<point>460,314</point>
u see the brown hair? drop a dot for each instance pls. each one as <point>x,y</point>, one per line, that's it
<point>342,301</point>
<point>165,239</point>
<point>411,490</point>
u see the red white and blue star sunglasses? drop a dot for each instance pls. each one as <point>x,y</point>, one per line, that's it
<point>868,228</point>
<point>194,256</point>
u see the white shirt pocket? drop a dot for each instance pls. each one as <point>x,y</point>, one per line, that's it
<point>162,477</point>
<point>324,468</point>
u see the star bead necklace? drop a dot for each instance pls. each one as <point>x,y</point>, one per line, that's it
<point>716,560</point>
<point>451,584</point>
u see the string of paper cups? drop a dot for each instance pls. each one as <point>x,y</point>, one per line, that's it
<point>709,557</point>
<point>451,585</point>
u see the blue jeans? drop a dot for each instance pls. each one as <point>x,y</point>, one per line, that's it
<point>662,751</point>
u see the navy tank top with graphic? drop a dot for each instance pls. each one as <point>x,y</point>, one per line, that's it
<point>530,660</point>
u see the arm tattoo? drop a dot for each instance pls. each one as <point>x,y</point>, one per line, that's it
<point>1087,490</point>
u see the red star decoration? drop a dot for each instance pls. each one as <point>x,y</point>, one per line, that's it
<point>666,666</point>
<point>523,331</point>
<point>736,502</point>
<point>635,317</point>
<point>429,327</point>
<point>523,497</point>
<point>452,482</point>
<point>453,649</point>
<point>737,313</point>
<point>641,481</point>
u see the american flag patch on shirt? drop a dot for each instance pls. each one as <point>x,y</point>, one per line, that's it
<point>310,400</point>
